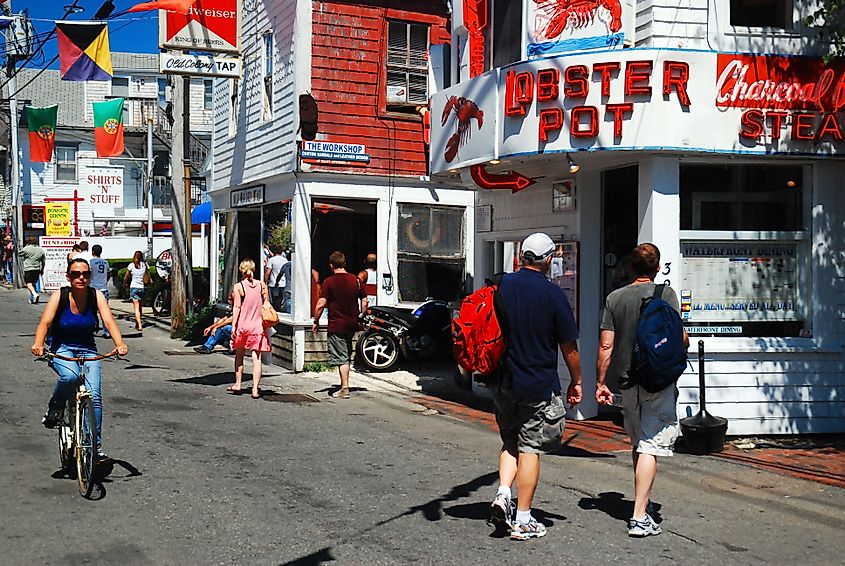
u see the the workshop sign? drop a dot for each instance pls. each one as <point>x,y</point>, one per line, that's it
<point>333,152</point>
<point>102,187</point>
<point>209,25</point>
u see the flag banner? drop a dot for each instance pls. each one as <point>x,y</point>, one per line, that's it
<point>84,53</point>
<point>108,127</point>
<point>178,6</point>
<point>42,132</point>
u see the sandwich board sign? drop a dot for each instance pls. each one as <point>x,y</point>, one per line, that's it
<point>209,25</point>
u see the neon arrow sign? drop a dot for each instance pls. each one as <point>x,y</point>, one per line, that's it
<point>512,180</point>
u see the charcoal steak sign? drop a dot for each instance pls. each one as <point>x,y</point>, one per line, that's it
<point>209,25</point>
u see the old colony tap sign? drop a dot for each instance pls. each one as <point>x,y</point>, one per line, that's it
<point>646,99</point>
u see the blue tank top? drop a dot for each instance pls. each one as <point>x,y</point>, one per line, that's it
<point>76,329</point>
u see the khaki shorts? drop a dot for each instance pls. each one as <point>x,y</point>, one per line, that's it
<point>530,426</point>
<point>340,349</point>
<point>651,419</point>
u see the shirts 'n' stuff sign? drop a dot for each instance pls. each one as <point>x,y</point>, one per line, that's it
<point>55,261</point>
<point>740,281</point>
<point>559,27</point>
<point>247,197</point>
<point>333,152</point>
<point>209,25</point>
<point>199,65</point>
<point>57,219</point>
<point>101,186</point>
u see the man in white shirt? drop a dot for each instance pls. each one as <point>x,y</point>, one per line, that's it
<point>83,252</point>
<point>273,278</point>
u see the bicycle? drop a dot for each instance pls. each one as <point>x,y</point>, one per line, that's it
<point>78,427</point>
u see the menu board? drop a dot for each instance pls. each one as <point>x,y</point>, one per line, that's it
<point>564,271</point>
<point>739,281</point>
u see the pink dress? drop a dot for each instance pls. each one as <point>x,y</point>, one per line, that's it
<point>250,332</point>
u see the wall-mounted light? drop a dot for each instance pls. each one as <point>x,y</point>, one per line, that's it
<point>791,184</point>
<point>453,171</point>
<point>494,161</point>
<point>573,167</point>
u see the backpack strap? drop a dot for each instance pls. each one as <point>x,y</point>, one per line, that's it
<point>64,299</point>
<point>504,325</point>
<point>658,294</point>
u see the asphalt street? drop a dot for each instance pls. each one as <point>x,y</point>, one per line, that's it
<point>202,477</point>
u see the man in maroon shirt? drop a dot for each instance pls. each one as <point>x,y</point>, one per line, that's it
<point>340,292</point>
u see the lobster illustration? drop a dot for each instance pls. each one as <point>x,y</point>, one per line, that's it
<point>577,14</point>
<point>465,110</point>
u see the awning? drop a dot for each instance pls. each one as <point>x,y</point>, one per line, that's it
<point>201,214</point>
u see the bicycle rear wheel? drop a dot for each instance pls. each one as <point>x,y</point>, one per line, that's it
<point>86,448</point>
<point>66,452</point>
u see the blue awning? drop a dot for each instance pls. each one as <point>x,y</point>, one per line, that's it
<point>201,214</point>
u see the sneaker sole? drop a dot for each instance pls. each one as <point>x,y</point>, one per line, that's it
<point>641,534</point>
<point>498,517</point>
<point>527,536</point>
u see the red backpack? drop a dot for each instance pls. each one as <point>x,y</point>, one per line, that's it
<point>478,341</point>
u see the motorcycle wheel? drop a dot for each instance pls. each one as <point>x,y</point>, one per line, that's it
<point>377,350</point>
<point>159,304</point>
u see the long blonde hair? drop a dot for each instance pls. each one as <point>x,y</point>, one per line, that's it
<point>247,267</point>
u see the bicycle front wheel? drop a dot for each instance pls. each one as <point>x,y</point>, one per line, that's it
<point>66,451</point>
<point>86,447</point>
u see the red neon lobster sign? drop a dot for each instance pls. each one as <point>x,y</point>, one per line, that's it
<point>475,20</point>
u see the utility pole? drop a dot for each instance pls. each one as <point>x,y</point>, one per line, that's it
<point>178,210</point>
<point>186,163</point>
<point>149,189</point>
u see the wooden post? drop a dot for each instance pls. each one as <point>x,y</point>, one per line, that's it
<point>178,209</point>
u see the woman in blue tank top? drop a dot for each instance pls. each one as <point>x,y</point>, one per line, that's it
<point>73,337</point>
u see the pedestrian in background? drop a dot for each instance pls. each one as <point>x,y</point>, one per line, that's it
<point>220,332</point>
<point>83,252</point>
<point>340,292</point>
<point>369,278</point>
<point>248,326</point>
<point>138,278</point>
<point>33,266</point>
<point>273,276</point>
<point>651,419</point>
<point>287,273</point>
<point>99,276</point>
<point>530,412</point>
<point>8,257</point>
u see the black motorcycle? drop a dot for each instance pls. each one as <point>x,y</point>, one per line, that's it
<point>161,300</point>
<point>393,333</point>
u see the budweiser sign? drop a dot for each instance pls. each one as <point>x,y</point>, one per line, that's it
<point>778,82</point>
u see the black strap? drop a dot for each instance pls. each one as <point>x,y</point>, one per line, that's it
<point>658,294</point>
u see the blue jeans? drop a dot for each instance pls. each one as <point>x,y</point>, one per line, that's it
<point>9,264</point>
<point>222,334</point>
<point>68,373</point>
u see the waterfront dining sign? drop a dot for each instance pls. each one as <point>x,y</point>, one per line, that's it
<point>647,99</point>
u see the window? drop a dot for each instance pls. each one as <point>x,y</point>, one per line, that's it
<point>431,252</point>
<point>762,13</point>
<point>66,162</point>
<point>407,66</point>
<point>507,33</point>
<point>208,94</point>
<point>120,87</point>
<point>234,103</point>
<point>162,91</point>
<point>745,249</point>
<point>268,76</point>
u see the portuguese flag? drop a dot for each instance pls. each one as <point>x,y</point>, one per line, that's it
<point>42,132</point>
<point>108,127</point>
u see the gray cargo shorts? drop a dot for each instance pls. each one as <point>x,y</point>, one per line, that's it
<point>531,426</point>
<point>340,348</point>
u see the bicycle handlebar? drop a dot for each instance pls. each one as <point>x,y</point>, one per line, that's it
<point>47,355</point>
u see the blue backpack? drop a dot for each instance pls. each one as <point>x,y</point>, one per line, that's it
<point>659,356</point>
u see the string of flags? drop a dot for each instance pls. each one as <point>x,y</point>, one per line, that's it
<point>108,130</point>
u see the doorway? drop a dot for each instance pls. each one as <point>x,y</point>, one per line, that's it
<point>249,237</point>
<point>343,225</point>
<point>619,226</point>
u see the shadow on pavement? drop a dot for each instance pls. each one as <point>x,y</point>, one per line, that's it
<point>480,511</point>
<point>332,389</point>
<point>615,505</point>
<point>314,559</point>
<point>219,378</point>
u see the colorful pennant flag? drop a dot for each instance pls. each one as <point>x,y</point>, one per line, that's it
<point>84,53</point>
<point>42,132</point>
<point>178,6</point>
<point>108,127</point>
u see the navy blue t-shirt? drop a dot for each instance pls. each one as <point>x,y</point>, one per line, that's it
<point>540,318</point>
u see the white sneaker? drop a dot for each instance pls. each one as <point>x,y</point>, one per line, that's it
<point>525,531</point>
<point>501,511</point>
<point>643,528</point>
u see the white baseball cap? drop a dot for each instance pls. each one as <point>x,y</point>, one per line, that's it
<point>537,246</point>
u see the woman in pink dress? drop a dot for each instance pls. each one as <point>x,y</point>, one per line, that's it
<point>248,327</point>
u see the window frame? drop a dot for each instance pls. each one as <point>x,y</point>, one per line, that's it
<point>268,50</point>
<point>60,164</point>
<point>407,69</point>
<point>208,94</point>
<point>790,25</point>
<point>234,103</point>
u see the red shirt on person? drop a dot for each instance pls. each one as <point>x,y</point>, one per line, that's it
<point>342,292</point>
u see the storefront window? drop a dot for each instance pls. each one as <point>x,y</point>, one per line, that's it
<point>432,261</point>
<point>745,250</point>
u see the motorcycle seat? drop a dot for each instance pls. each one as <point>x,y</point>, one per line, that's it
<point>401,314</point>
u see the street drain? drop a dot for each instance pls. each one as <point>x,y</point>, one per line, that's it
<point>290,398</point>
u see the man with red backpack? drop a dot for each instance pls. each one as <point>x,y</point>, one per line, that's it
<point>537,321</point>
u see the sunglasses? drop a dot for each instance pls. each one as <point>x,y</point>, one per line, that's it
<point>77,274</point>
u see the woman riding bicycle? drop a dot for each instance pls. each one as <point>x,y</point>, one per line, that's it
<point>72,336</point>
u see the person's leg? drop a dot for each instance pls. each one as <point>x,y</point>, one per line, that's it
<point>225,336</point>
<point>527,478</point>
<point>9,264</point>
<point>645,470</point>
<point>508,461</point>
<point>256,372</point>
<point>239,368</point>
<point>68,374</point>
<point>343,370</point>
<point>92,383</point>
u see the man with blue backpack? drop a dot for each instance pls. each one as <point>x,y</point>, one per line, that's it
<point>643,344</point>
